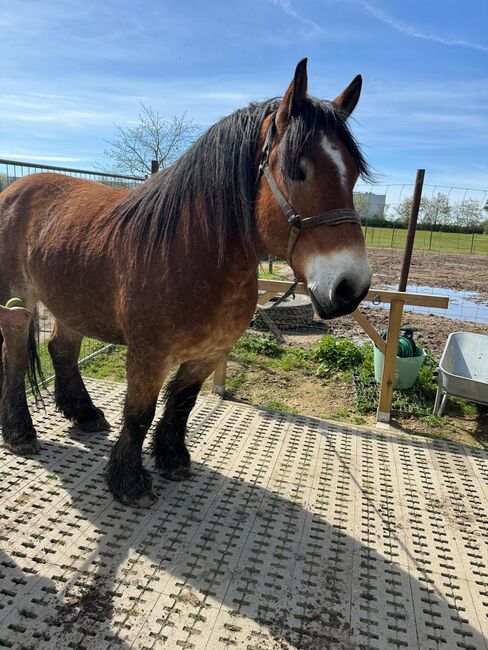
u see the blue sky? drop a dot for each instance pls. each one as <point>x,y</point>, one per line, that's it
<point>71,70</point>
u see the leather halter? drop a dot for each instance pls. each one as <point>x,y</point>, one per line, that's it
<point>297,224</point>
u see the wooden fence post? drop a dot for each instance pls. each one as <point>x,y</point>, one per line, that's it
<point>219,378</point>
<point>389,363</point>
<point>412,227</point>
<point>397,300</point>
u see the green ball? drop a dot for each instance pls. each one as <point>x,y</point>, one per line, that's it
<point>14,302</point>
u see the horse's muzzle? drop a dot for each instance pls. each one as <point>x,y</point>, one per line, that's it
<point>337,282</point>
<point>341,304</point>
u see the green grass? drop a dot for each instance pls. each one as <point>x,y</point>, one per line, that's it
<point>276,405</point>
<point>88,346</point>
<point>330,357</point>
<point>264,274</point>
<point>263,351</point>
<point>110,365</point>
<point>416,401</point>
<point>445,242</point>
<point>332,360</point>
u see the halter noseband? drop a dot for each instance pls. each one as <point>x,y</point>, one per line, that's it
<point>330,218</point>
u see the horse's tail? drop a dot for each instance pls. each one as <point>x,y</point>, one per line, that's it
<point>35,374</point>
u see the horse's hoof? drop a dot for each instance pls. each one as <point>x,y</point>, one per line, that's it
<point>173,465</point>
<point>25,447</point>
<point>132,488</point>
<point>177,474</point>
<point>143,501</point>
<point>95,426</point>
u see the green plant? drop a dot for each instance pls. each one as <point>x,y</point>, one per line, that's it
<point>337,354</point>
<point>343,414</point>
<point>233,383</point>
<point>263,344</point>
<point>417,401</point>
<point>276,405</point>
<point>294,358</point>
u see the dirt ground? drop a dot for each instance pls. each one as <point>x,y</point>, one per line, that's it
<point>431,334</point>
<point>334,399</point>
<point>448,271</point>
<point>309,395</point>
<point>443,270</point>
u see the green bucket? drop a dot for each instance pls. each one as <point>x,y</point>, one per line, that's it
<point>406,369</point>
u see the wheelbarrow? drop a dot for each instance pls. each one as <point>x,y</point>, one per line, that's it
<point>463,370</point>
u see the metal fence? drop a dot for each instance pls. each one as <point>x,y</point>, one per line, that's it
<point>451,219</point>
<point>445,262</point>
<point>44,322</point>
<point>449,258</point>
<point>12,170</point>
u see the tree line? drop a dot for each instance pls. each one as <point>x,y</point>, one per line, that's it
<point>156,138</point>
<point>436,213</point>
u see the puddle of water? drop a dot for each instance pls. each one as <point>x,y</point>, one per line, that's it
<point>463,305</point>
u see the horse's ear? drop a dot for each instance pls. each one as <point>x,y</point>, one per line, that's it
<point>349,97</point>
<point>294,97</point>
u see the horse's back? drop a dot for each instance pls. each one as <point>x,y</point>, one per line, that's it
<point>51,244</point>
<point>34,200</point>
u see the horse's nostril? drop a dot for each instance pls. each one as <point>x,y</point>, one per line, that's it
<point>344,292</point>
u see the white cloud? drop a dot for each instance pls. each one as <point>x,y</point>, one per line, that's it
<point>413,31</point>
<point>313,29</point>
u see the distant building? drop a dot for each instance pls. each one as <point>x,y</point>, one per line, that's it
<point>377,204</point>
<point>370,205</point>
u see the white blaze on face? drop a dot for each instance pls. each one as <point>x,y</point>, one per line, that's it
<point>325,272</point>
<point>335,155</point>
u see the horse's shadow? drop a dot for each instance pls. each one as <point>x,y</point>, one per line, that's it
<point>213,544</point>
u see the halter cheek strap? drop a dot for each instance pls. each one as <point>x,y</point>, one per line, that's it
<point>297,224</point>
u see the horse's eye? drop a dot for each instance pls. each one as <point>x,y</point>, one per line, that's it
<point>301,172</point>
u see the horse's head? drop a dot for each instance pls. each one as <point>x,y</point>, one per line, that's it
<point>305,213</point>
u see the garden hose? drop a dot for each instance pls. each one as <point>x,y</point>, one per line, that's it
<point>406,344</point>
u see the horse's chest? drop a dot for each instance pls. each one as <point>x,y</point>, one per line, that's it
<point>215,324</point>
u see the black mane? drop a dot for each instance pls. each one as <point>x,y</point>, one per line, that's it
<point>218,174</point>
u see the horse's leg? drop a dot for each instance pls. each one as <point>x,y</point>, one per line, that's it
<point>168,446</point>
<point>17,429</point>
<point>127,479</point>
<point>72,398</point>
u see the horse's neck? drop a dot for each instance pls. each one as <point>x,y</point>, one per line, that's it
<point>235,268</point>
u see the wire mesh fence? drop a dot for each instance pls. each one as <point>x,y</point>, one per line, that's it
<point>451,219</point>
<point>44,323</point>
<point>450,251</point>
<point>451,246</point>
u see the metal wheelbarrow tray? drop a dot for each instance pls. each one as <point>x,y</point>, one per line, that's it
<point>463,369</point>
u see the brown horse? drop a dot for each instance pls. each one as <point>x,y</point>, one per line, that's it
<point>169,268</point>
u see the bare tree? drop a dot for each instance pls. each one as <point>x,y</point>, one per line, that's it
<point>468,213</point>
<point>154,137</point>
<point>402,210</point>
<point>361,203</point>
<point>433,210</point>
<point>436,210</point>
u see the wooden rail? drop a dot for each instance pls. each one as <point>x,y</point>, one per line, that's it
<point>396,299</point>
<point>378,295</point>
